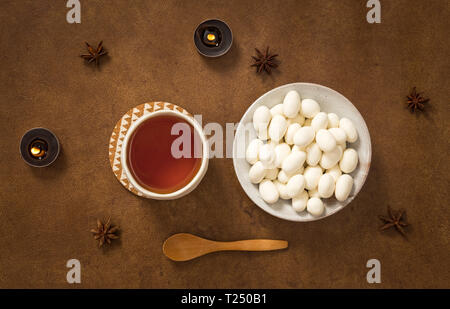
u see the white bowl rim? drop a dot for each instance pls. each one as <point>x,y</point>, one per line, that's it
<point>269,209</point>
<point>194,181</point>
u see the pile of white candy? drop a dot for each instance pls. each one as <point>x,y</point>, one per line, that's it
<point>301,154</point>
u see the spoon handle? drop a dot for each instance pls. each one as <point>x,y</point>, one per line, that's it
<point>252,245</point>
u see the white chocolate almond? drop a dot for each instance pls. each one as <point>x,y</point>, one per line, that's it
<point>326,186</point>
<point>281,152</point>
<point>257,172</point>
<point>290,132</point>
<point>344,186</point>
<point>251,155</point>
<point>320,121</point>
<point>268,191</point>
<point>283,177</point>
<point>277,110</point>
<point>331,158</point>
<point>339,135</point>
<point>295,185</point>
<point>333,120</point>
<point>312,175</point>
<point>293,162</point>
<point>299,202</point>
<point>310,108</point>
<point>304,136</point>
<point>313,154</point>
<point>315,206</point>
<point>349,160</point>
<point>267,155</point>
<point>325,140</point>
<point>261,115</point>
<point>335,172</point>
<point>291,104</point>
<point>277,128</point>
<point>282,190</point>
<point>349,128</point>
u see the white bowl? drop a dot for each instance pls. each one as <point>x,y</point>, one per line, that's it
<point>197,178</point>
<point>330,102</point>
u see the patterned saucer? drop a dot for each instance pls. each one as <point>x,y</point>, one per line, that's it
<point>121,129</point>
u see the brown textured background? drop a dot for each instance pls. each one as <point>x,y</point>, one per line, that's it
<point>46,214</point>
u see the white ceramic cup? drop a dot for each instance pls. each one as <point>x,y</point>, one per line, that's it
<point>197,178</point>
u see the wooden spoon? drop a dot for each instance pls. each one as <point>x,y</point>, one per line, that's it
<point>184,246</point>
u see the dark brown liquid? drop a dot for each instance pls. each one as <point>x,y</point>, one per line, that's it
<point>150,157</point>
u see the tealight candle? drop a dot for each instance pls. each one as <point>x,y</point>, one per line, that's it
<point>39,147</point>
<point>213,38</point>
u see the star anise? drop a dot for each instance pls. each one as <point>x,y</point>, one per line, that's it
<point>415,101</point>
<point>94,53</point>
<point>394,219</point>
<point>264,61</point>
<point>105,232</point>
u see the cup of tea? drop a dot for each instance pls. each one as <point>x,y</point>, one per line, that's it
<point>165,154</point>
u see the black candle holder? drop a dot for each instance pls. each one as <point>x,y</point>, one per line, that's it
<point>213,38</point>
<point>39,147</point>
